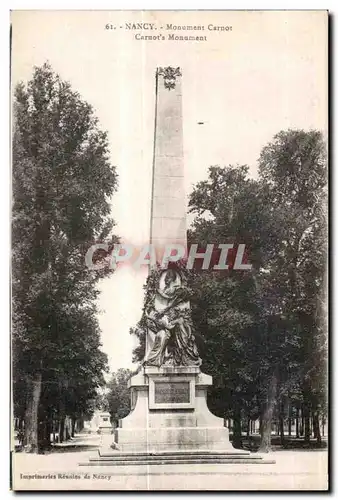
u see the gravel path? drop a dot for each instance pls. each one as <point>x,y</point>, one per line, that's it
<point>294,470</point>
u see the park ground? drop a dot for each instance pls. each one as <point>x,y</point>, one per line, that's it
<point>294,470</point>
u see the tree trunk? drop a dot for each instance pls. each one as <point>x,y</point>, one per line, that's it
<point>281,429</point>
<point>67,428</point>
<point>44,433</point>
<point>302,424</point>
<point>281,422</point>
<point>49,428</point>
<point>316,428</point>
<point>31,441</point>
<point>73,426</point>
<point>248,429</point>
<point>265,445</point>
<point>62,430</point>
<point>307,431</point>
<point>53,429</point>
<point>237,429</point>
<point>289,425</point>
<point>21,431</point>
<point>57,429</point>
<point>297,423</point>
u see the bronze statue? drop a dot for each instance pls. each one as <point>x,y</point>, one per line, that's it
<point>169,325</point>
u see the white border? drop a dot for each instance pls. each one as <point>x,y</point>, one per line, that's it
<point>5,6</point>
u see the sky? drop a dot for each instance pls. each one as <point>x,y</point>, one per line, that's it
<point>266,74</point>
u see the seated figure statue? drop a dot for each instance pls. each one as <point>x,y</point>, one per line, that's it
<point>170,326</point>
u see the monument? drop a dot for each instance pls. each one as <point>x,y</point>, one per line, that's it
<point>169,420</point>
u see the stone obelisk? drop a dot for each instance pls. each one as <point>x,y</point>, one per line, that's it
<point>168,395</point>
<point>168,207</point>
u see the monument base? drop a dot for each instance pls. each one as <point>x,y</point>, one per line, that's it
<point>170,422</point>
<point>169,412</point>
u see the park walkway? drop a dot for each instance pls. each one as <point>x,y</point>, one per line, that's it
<point>294,470</point>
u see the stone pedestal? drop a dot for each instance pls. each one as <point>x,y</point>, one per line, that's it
<point>170,424</point>
<point>169,412</point>
<point>104,424</point>
<point>105,430</point>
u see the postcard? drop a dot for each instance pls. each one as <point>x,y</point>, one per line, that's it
<point>169,250</point>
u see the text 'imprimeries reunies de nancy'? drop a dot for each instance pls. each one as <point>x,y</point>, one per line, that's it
<point>62,475</point>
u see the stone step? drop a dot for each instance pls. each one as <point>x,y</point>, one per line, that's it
<point>181,461</point>
<point>177,457</point>
<point>185,452</point>
<point>173,457</point>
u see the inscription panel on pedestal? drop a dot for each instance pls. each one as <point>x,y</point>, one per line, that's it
<point>171,392</point>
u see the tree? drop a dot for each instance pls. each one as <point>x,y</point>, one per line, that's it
<point>226,305</point>
<point>293,174</point>
<point>263,331</point>
<point>62,184</point>
<point>118,395</point>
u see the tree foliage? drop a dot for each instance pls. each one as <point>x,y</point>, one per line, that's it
<point>62,185</point>
<point>117,400</point>
<point>264,330</point>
